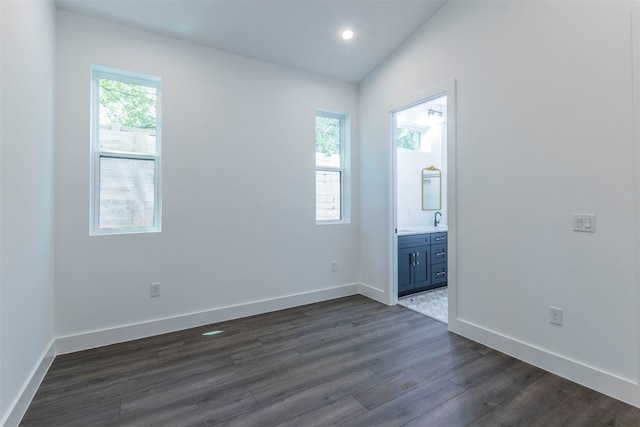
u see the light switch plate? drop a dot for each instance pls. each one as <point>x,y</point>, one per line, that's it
<point>584,222</point>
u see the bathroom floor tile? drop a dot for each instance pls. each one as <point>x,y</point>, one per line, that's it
<point>433,303</point>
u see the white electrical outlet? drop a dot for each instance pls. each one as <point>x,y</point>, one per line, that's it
<point>154,290</point>
<point>334,266</point>
<point>555,315</point>
<point>584,222</point>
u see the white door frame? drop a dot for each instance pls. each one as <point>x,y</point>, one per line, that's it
<point>449,89</point>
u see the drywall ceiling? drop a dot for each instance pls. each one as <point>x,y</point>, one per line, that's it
<point>302,34</point>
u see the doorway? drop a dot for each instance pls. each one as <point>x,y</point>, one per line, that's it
<point>423,222</point>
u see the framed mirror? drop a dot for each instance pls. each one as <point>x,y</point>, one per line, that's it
<point>431,188</point>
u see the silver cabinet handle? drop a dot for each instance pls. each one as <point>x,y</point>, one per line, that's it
<point>442,273</point>
<point>418,254</point>
<point>440,253</point>
<point>439,238</point>
<point>413,258</point>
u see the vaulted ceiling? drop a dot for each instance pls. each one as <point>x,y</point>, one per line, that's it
<point>301,34</point>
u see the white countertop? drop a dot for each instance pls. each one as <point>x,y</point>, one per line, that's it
<point>422,229</point>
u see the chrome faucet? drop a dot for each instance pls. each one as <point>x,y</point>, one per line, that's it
<point>436,221</point>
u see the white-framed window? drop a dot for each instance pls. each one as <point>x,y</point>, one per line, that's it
<point>125,152</point>
<point>332,150</point>
<point>409,137</point>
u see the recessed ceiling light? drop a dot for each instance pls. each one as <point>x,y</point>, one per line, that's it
<point>347,34</point>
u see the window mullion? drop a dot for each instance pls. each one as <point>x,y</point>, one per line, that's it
<point>131,156</point>
<point>328,169</point>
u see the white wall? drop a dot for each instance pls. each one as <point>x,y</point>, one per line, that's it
<point>27,34</point>
<point>231,126</point>
<point>544,130</point>
<point>409,188</point>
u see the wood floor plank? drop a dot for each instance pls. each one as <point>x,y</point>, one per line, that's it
<point>488,391</point>
<point>408,380</point>
<point>305,401</point>
<point>476,371</point>
<point>210,410</point>
<point>409,406</point>
<point>439,361</point>
<point>194,387</point>
<point>621,415</point>
<point>370,333</point>
<point>349,361</point>
<point>328,415</point>
<point>594,398</point>
<point>316,373</point>
<point>459,410</point>
<point>181,412</point>
<point>530,404</point>
<point>81,411</point>
<point>570,412</point>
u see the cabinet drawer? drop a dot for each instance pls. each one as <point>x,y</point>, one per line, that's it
<point>438,273</point>
<point>413,240</point>
<point>438,253</point>
<point>438,238</point>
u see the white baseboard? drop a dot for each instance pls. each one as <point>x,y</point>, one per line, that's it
<point>99,338</point>
<point>624,389</point>
<point>19,406</point>
<point>373,293</point>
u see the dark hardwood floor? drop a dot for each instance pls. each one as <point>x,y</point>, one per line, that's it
<point>350,361</point>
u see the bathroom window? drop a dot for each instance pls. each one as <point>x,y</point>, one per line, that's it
<point>331,170</point>
<point>408,138</point>
<point>125,152</point>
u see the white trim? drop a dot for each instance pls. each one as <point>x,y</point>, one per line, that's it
<point>96,153</point>
<point>373,293</point>
<point>624,389</point>
<point>635,54</point>
<point>117,334</point>
<point>21,403</point>
<point>345,166</point>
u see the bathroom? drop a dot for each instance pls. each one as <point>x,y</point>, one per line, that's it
<point>420,136</point>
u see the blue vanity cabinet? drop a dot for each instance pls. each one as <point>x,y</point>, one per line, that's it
<point>414,253</point>
<point>422,262</point>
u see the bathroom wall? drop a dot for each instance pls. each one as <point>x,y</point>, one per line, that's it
<point>409,187</point>
<point>544,126</point>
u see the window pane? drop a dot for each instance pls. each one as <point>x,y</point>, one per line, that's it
<point>328,187</point>
<point>328,134</point>
<point>408,138</point>
<point>127,117</point>
<point>126,193</point>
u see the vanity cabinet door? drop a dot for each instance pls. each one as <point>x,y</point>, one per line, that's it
<point>405,270</point>
<point>422,272</point>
